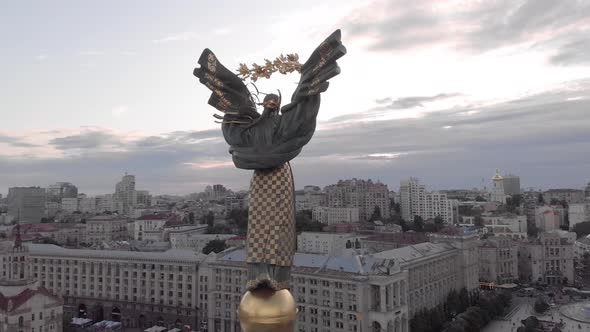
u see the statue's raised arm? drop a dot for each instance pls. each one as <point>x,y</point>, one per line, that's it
<point>272,139</point>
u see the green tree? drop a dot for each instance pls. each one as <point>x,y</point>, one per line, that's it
<point>453,303</point>
<point>208,219</point>
<point>480,199</point>
<point>376,214</point>
<point>240,218</point>
<point>191,217</point>
<point>439,222</point>
<point>582,229</point>
<point>418,224</point>
<point>540,305</point>
<point>215,246</point>
<point>541,199</point>
<point>532,230</point>
<point>304,222</point>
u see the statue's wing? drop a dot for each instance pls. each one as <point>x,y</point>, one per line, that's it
<point>318,69</point>
<point>229,94</point>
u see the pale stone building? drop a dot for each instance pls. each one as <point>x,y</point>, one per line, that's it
<point>308,199</point>
<point>498,260</point>
<point>547,218</point>
<point>149,223</point>
<point>125,195</point>
<point>548,259</point>
<point>69,204</point>
<point>101,229</point>
<point>416,201</point>
<point>498,194</point>
<point>579,212</point>
<point>360,194</point>
<point>571,196</point>
<point>138,289</point>
<point>435,269</point>
<point>24,306</point>
<point>352,293</point>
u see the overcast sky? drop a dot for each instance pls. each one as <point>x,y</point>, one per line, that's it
<point>447,91</point>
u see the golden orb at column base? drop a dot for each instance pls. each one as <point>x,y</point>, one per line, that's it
<point>267,311</point>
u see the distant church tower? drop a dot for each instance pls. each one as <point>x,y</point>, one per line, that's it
<point>498,188</point>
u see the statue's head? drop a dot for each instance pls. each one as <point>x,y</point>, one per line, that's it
<point>271,102</point>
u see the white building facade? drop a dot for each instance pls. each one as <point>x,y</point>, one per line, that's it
<point>326,243</point>
<point>335,215</point>
<point>416,201</point>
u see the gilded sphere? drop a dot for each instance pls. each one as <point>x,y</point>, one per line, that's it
<point>267,311</point>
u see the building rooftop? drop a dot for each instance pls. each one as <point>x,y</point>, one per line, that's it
<point>417,251</point>
<point>12,303</point>
<point>37,249</point>
<point>354,264</point>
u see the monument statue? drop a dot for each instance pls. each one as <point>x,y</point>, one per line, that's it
<point>266,143</point>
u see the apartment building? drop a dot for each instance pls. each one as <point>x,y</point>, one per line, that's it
<point>335,215</point>
<point>548,259</point>
<point>416,201</point>
<point>139,289</point>
<point>364,195</point>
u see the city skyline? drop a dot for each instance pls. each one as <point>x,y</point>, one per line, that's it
<point>426,90</point>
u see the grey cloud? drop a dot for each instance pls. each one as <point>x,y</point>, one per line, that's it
<point>574,52</point>
<point>409,102</point>
<point>540,137</point>
<point>386,105</point>
<point>87,140</point>
<point>476,27</point>
<point>15,141</point>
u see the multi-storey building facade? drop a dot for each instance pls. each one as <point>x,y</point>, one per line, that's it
<point>326,243</point>
<point>125,195</point>
<point>498,260</point>
<point>105,203</point>
<point>511,185</point>
<point>579,212</point>
<point>309,199</point>
<point>435,269</point>
<point>352,294</point>
<point>69,204</point>
<point>361,194</point>
<point>149,223</point>
<point>335,215</point>
<point>416,201</point>
<point>138,289</point>
<point>235,203</point>
<point>548,259</point>
<point>143,198</point>
<point>498,192</point>
<point>571,196</point>
<point>507,225</point>
<point>26,203</point>
<point>56,192</point>
<point>87,205</point>
<point>101,229</point>
<point>24,306</point>
<point>547,218</point>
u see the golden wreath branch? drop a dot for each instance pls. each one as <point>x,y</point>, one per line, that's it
<point>283,64</point>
